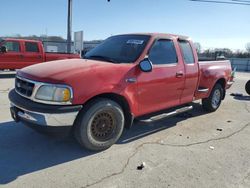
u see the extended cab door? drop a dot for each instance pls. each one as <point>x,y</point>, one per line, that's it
<point>191,68</point>
<point>33,53</point>
<point>161,88</point>
<point>13,57</point>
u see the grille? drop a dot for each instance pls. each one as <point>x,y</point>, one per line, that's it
<point>24,87</point>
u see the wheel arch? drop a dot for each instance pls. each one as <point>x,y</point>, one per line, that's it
<point>222,82</point>
<point>122,101</point>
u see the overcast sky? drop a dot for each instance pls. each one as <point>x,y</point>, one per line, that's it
<point>213,25</point>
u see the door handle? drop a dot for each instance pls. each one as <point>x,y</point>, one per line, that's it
<point>131,80</point>
<point>39,57</point>
<point>179,74</point>
<point>21,56</point>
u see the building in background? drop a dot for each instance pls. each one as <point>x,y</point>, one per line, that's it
<point>58,44</point>
<point>61,47</point>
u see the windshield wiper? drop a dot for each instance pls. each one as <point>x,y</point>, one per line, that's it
<point>102,57</point>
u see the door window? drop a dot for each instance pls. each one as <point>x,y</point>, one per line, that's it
<point>163,52</point>
<point>31,47</point>
<point>12,46</point>
<point>187,52</point>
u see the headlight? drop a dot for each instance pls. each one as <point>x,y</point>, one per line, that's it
<point>54,93</point>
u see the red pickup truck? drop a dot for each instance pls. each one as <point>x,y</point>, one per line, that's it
<point>19,53</point>
<point>126,77</point>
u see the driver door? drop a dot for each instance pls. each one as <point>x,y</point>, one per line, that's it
<point>162,87</point>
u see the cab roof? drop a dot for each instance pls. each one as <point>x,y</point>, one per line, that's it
<point>26,40</point>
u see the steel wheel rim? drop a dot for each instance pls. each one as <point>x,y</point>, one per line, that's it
<point>216,98</point>
<point>103,125</point>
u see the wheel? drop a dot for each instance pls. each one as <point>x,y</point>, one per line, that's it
<point>99,125</point>
<point>247,87</point>
<point>213,102</point>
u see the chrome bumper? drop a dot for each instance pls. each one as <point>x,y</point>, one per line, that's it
<point>43,119</point>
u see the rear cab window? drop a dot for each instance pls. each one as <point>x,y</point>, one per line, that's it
<point>187,52</point>
<point>163,52</point>
<point>31,47</point>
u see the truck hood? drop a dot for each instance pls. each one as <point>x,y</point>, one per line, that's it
<point>63,71</point>
<point>87,78</point>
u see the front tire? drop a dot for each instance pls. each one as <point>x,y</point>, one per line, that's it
<point>213,102</point>
<point>99,125</point>
<point>247,87</point>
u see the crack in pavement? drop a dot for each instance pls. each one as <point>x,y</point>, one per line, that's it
<point>209,140</point>
<point>136,150</point>
<point>124,167</point>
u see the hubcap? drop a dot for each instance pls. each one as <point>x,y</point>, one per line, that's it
<point>216,98</point>
<point>103,126</point>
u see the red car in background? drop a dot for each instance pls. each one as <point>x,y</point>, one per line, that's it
<point>20,53</point>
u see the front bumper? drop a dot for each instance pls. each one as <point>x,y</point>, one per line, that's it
<point>42,115</point>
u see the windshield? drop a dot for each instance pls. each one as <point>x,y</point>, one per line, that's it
<point>119,49</point>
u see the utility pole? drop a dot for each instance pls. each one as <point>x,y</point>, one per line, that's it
<point>69,32</point>
<point>69,26</point>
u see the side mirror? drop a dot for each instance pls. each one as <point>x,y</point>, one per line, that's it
<point>146,65</point>
<point>3,49</point>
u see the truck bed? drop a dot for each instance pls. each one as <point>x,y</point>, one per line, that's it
<point>220,69</point>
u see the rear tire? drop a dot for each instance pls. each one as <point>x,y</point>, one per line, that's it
<point>213,102</point>
<point>99,125</point>
<point>247,87</point>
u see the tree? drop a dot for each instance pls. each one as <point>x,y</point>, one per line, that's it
<point>55,38</point>
<point>248,47</point>
<point>198,47</point>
